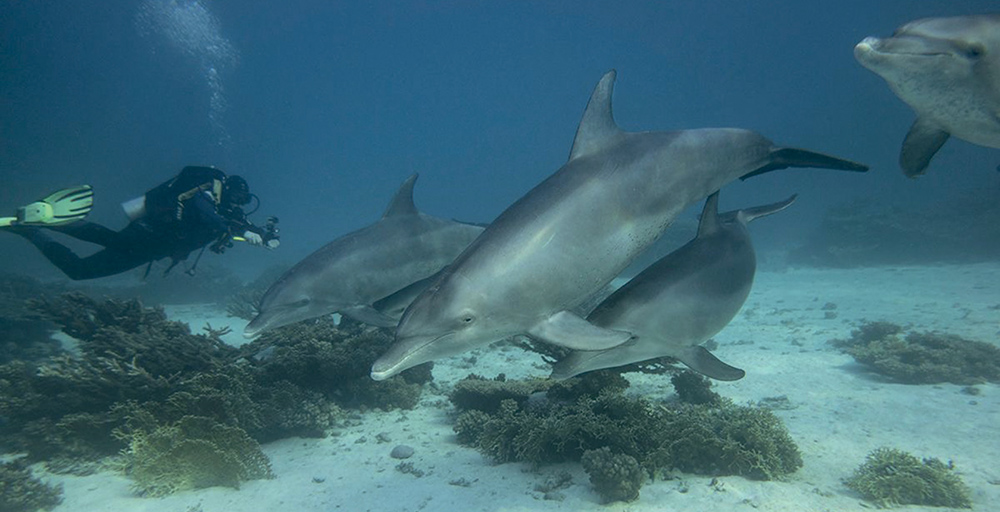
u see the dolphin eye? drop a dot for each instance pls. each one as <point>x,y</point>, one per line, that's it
<point>974,51</point>
<point>467,319</point>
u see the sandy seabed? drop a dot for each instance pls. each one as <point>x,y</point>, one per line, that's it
<point>837,414</point>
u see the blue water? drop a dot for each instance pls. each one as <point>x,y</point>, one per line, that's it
<point>327,106</point>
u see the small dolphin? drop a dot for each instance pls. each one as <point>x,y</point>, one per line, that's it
<point>948,71</point>
<point>681,300</point>
<point>573,233</point>
<point>350,273</point>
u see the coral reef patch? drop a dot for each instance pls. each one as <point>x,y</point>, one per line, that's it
<point>921,357</point>
<point>20,491</point>
<point>891,477</point>
<point>557,422</point>
<point>963,228</point>
<point>169,403</point>
<point>25,336</point>
<point>192,453</point>
<point>616,477</point>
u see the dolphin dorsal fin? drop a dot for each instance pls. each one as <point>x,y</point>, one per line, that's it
<point>597,129</point>
<point>709,215</point>
<point>402,202</point>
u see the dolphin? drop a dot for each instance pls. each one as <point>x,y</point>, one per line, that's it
<point>948,71</point>
<point>350,273</point>
<point>573,233</point>
<point>681,300</point>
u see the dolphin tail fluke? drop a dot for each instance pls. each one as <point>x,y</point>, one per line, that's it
<point>782,158</point>
<point>699,359</point>
<point>921,143</point>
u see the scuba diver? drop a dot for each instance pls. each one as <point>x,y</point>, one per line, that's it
<point>198,207</point>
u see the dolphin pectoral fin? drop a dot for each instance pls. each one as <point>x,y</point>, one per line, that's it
<point>921,143</point>
<point>699,359</point>
<point>369,315</point>
<point>395,303</point>
<point>573,364</point>
<point>750,214</point>
<point>568,330</point>
<point>783,158</point>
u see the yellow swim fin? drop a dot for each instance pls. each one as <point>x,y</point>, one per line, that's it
<point>62,207</point>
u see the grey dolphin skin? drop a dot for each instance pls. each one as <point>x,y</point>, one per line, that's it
<point>572,234</point>
<point>350,273</point>
<point>948,71</point>
<point>683,299</point>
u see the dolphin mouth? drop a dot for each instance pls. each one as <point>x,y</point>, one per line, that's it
<point>403,354</point>
<point>909,47</point>
<point>254,328</point>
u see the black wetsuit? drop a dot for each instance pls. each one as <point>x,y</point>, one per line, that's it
<point>141,242</point>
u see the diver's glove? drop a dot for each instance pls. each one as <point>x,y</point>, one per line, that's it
<point>253,238</point>
<point>272,243</point>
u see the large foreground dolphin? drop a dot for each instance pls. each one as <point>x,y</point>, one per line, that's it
<point>683,299</point>
<point>573,233</point>
<point>350,273</point>
<point>948,71</point>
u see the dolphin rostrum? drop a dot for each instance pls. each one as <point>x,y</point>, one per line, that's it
<point>948,71</point>
<point>350,273</point>
<point>680,301</point>
<point>572,234</point>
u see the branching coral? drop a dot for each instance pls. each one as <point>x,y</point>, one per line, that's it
<point>616,477</point>
<point>26,336</point>
<point>717,439</point>
<point>694,388</point>
<point>728,439</point>
<point>321,355</point>
<point>171,394</point>
<point>192,453</point>
<point>134,359</point>
<point>922,357</point>
<point>893,477</point>
<point>868,232</point>
<point>60,408</point>
<point>480,393</point>
<point>22,492</point>
<point>243,304</point>
<point>128,331</point>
